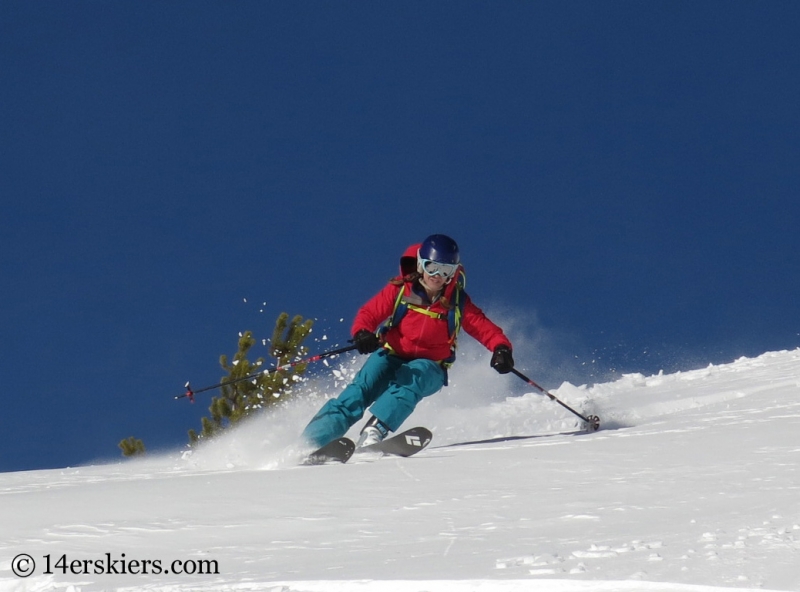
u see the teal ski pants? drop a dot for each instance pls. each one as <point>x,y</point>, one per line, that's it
<point>389,386</point>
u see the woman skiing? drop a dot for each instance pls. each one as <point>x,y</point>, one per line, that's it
<point>410,329</point>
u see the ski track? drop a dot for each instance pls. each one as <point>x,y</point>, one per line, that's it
<point>690,485</point>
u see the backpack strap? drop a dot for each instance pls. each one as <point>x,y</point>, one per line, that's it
<point>457,300</point>
<point>398,312</point>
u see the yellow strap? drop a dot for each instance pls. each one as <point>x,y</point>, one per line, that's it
<point>396,304</point>
<point>425,311</point>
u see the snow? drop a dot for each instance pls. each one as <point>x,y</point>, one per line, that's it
<point>692,484</point>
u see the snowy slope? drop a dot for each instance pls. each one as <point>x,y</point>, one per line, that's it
<point>692,484</point>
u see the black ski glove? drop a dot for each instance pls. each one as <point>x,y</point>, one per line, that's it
<point>366,342</point>
<point>502,361</point>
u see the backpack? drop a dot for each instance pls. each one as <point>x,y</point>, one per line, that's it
<point>453,300</point>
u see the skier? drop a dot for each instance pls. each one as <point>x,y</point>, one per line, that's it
<point>410,329</point>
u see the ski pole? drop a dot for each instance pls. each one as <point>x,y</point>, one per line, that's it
<point>592,422</point>
<point>191,393</point>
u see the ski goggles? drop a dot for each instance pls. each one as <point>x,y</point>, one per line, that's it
<point>446,270</point>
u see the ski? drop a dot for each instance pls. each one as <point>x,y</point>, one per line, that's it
<point>405,443</point>
<point>339,450</point>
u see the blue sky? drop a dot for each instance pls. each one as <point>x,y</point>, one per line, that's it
<point>622,178</point>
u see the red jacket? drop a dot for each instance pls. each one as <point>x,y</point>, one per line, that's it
<point>418,335</point>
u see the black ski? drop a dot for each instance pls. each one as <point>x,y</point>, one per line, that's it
<point>339,450</point>
<point>405,443</point>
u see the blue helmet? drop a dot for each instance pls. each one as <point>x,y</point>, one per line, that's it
<point>440,248</point>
